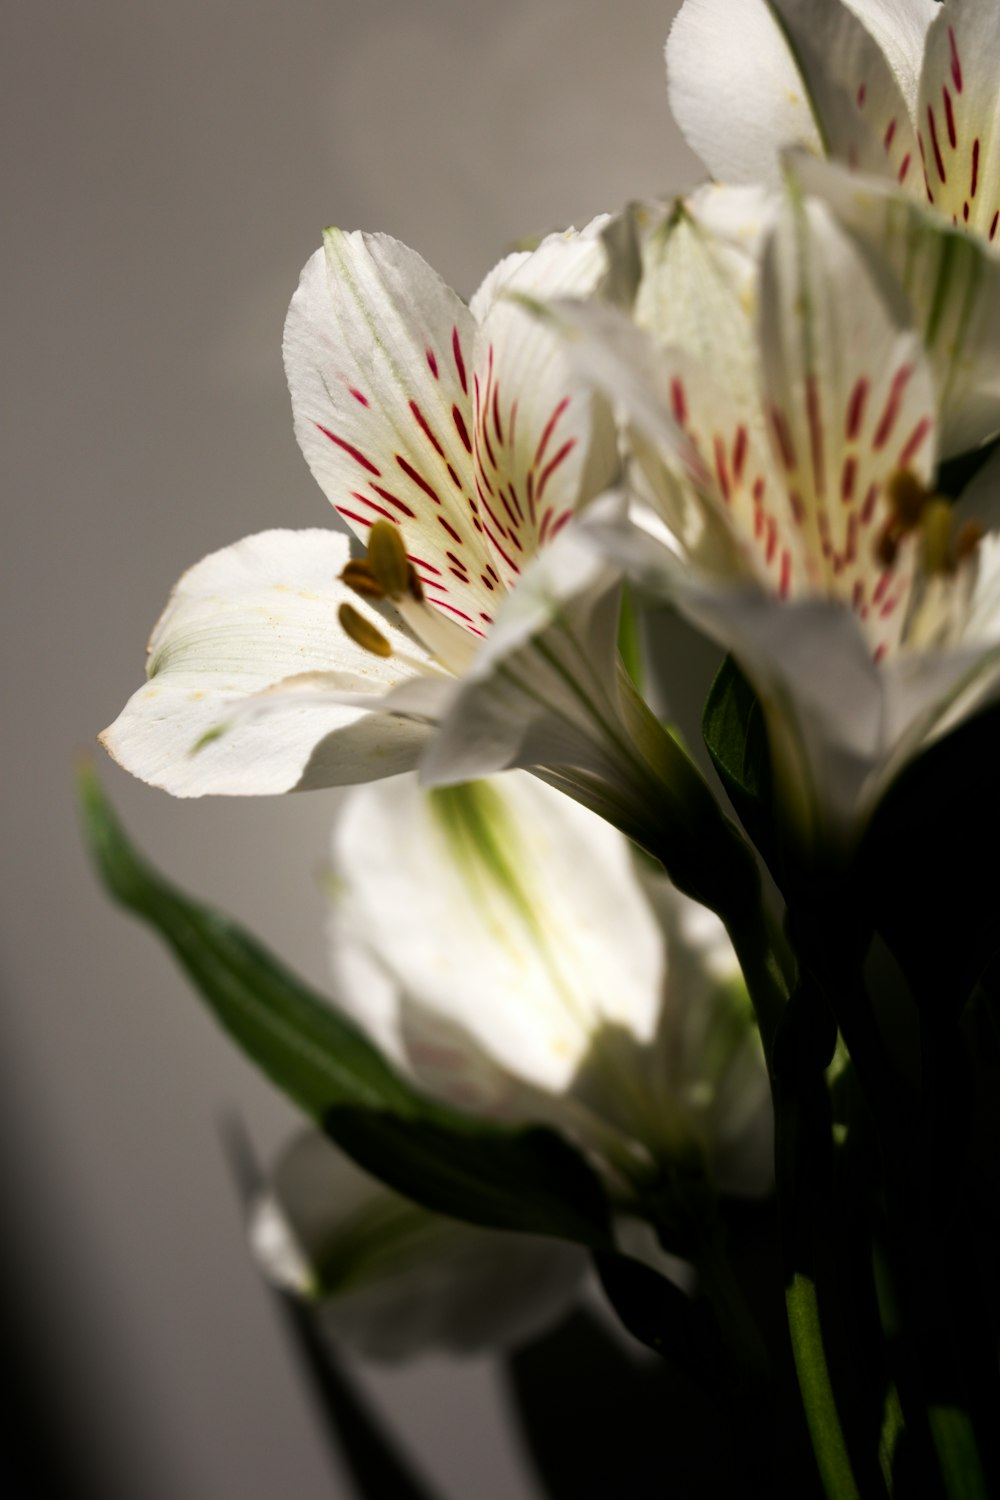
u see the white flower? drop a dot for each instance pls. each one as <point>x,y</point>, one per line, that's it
<point>455,440</point>
<point>906,89</point>
<point>389,1279</point>
<point>502,947</point>
<point>786,462</point>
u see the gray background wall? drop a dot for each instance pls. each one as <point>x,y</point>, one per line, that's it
<point>167,169</point>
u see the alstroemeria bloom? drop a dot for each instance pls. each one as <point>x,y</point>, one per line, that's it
<point>457,441</point>
<point>391,1280</point>
<point>504,949</point>
<point>750,79</point>
<point>903,88</point>
<point>786,465</point>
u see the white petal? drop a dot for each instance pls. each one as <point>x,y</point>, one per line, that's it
<point>900,29</point>
<point>735,90</point>
<point>543,691</point>
<point>851,402</point>
<point>378,355</point>
<point>859,104</point>
<point>400,1281</point>
<point>959,114</point>
<point>248,668</point>
<point>487,904</point>
<point>544,445</point>
<point>951,279</point>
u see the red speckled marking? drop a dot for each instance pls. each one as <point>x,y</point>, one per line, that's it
<point>425,428</point>
<point>956,66</point>
<point>904,169</point>
<point>543,441</point>
<point>488,581</point>
<point>678,400</point>
<point>868,508</point>
<point>379,509</point>
<point>461,429</point>
<point>418,479</point>
<point>785,581</point>
<point>890,133</point>
<point>949,115</point>
<point>456,349</point>
<point>432,363</point>
<point>739,453</point>
<point>355,453</point>
<point>975,168</point>
<point>395,500</point>
<point>454,478</point>
<point>848,477</point>
<point>497,424</point>
<point>914,441</point>
<point>358,395</point>
<point>856,407</point>
<point>862,95</point>
<point>418,562</point>
<point>892,405</point>
<point>449,528</point>
<point>352,515</point>
<point>993,226</point>
<point>938,158</point>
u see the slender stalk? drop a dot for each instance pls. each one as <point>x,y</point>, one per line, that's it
<point>829,1444</point>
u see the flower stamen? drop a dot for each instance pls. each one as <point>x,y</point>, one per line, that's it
<point>362,632</point>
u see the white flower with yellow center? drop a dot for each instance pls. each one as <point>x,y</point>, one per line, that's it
<point>785,460</point>
<point>475,633</point>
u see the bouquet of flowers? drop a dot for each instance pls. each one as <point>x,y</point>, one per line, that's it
<point>723,1028</point>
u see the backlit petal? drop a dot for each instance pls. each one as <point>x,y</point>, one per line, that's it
<point>248,668</point>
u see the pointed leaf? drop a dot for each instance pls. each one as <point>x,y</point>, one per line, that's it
<point>527,1179</point>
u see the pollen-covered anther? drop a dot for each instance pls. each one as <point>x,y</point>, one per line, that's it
<point>389,565</point>
<point>908,504</point>
<point>359,577</point>
<point>362,632</point>
<point>907,498</point>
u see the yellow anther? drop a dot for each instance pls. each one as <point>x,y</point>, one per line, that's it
<point>359,577</point>
<point>936,527</point>
<point>362,632</point>
<point>908,499</point>
<point>387,559</point>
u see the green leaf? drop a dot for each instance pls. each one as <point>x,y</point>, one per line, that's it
<point>526,1179</point>
<point>736,737</point>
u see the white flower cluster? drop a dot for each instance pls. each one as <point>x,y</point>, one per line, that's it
<point>743,403</point>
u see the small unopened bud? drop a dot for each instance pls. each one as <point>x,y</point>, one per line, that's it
<point>358,576</point>
<point>387,559</point>
<point>362,632</point>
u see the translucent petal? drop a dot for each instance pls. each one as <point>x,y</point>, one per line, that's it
<point>952,281</point>
<point>851,402</point>
<point>959,114</point>
<point>543,444</point>
<point>378,353</point>
<point>735,90</point>
<point>395,1280</point>
<point>248,669</point>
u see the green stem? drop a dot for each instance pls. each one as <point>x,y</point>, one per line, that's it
<point>957,1453</point>
<point>822,1417</point>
